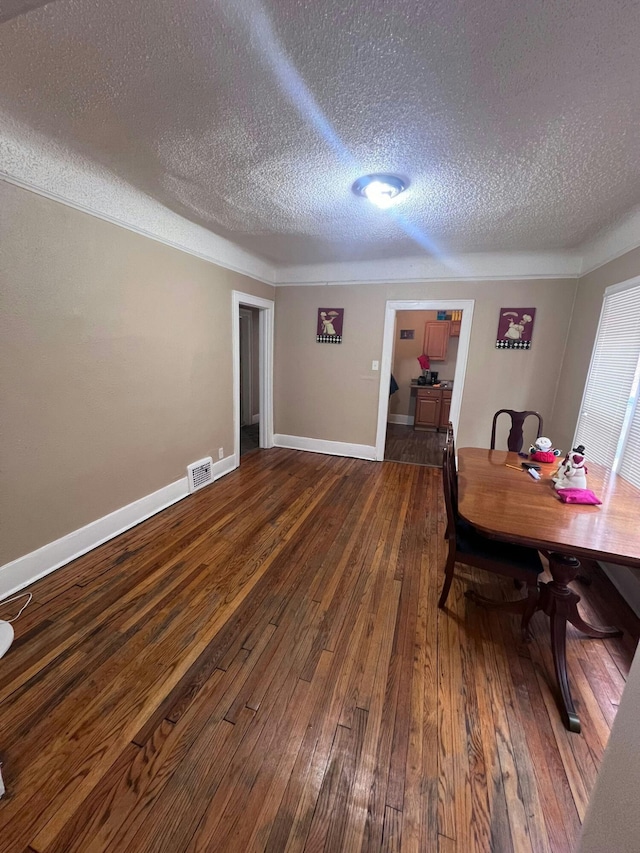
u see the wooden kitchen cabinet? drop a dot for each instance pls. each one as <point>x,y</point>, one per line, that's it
<point>436,339</point>
<point>455,328</point>
<point>428,406</point>
<point>445,408</point>
<point>433,408</point>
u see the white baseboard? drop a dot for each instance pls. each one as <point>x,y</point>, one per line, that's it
<point>407,420</point>
<point>255,419</point>
<point>319,445</point>
<point>35,565</point>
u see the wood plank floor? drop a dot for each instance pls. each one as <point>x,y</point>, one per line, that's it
<point>262,667</point>
<point>419,447</point>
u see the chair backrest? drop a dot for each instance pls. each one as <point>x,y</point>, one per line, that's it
<point>451,446</point>
<point>450,493</point>
<point>515,437</point>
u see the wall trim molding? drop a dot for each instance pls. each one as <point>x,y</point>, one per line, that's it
<point>478,266</point>
<point>406,420</point>
<point>37,164</point>
<point>31,567</point>
<point>320,445</point>
<point>611,243</point>
<point>249,269</point>
<point>32,161</point>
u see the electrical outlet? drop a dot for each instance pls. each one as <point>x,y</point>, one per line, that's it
<point>220,453</point>
<point>375,365</point>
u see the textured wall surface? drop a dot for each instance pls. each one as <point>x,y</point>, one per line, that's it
<point>115,367</point>
<point>517,124</point>
<point>330,392</point>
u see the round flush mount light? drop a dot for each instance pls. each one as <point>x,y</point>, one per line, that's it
<point>380,190</point>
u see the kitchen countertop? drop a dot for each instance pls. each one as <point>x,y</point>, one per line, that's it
<point>446,385</point>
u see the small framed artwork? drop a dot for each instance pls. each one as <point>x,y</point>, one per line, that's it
<point>407,334</point>
<point>329,327</point>
<point>515,328</point>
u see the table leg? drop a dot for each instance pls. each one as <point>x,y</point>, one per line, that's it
<point>561,606</point>
<point>558,602</point>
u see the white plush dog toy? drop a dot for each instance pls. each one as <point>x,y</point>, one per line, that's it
<point>572,474</point>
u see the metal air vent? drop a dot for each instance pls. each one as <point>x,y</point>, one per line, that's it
<point>200,474</point>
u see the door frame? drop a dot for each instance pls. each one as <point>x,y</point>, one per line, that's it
<point>265,368</point>
<point>393,305</point>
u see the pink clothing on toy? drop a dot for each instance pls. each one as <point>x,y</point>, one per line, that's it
<point>578,496</point>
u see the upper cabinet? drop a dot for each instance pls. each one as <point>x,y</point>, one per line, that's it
<point>436,339</point>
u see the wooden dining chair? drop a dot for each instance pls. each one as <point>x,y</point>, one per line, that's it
<point>450,446</point>
<point>468,546</point>
<point>515,437</point>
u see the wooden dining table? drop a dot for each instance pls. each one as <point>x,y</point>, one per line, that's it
<point>508,504</point>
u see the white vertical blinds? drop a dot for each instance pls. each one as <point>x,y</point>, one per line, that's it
<point>609,422</point>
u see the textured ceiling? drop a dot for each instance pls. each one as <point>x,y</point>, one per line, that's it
<point>517,124</point>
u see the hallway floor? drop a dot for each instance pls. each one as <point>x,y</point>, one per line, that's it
<point>419,447</point>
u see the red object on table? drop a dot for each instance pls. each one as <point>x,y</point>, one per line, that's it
<point>543,456</point>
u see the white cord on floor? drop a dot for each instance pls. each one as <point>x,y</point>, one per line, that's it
<point>15,598</point>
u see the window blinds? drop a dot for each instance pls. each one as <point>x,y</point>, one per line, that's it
<point>609,423</point>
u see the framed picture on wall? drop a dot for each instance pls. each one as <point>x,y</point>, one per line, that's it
<point>515,328</point>
<point>329,326</point>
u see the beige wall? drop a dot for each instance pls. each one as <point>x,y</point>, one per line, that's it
<point>612,822</point>
<point>330,392</point>
<point>115,367</point>
<point>584,324</point>
<point>405,355</point>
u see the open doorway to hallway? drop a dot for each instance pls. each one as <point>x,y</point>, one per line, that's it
<point>249,324</point>
<point>419,406</point>
<point>252,347</point>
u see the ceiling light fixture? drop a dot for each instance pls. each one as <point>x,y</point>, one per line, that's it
<point>380,190</point>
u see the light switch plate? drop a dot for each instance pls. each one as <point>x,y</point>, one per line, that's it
<point>375,365</point>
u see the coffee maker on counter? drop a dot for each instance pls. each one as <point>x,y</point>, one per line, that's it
<point>428,377</point>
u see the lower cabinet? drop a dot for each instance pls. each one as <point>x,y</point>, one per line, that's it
<point>445,409</point>
<point>433,406</point>
<point>428,406</point>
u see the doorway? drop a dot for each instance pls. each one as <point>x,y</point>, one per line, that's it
<point>419,413</point>
<point>252,346</point>
<point>392,330</point>
<point>249,379</point>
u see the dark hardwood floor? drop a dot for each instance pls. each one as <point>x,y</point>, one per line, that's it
<point>262,667</point>
<point>418,447</point>
<point>249,438</point>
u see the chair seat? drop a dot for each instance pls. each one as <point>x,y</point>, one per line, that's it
<point>469,541</point>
